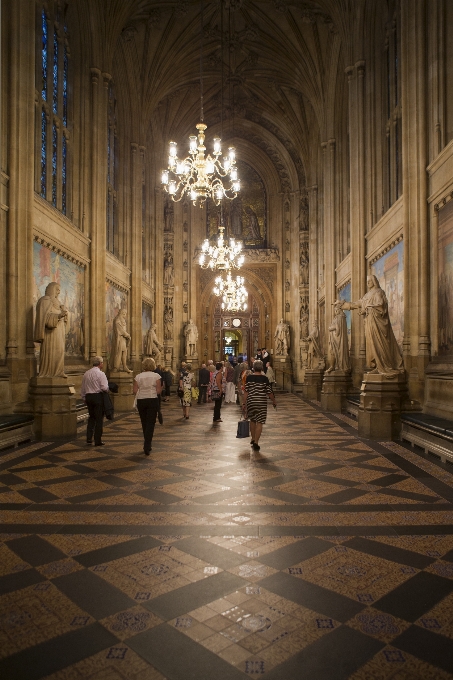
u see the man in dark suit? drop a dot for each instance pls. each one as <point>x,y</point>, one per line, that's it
<point>204,377</point>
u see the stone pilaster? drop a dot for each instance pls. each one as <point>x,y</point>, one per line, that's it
<point>135,309</point>
<point>19,159</point>
<point>356,78</point>
<point>415,192</point>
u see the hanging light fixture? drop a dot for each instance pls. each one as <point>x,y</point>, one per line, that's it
<point>198,176</point>
<point>232,291</point>
<point>221,256</point>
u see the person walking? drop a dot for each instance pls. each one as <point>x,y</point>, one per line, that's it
<point>203,382</point>
<point>229,384</point>
<point>147,388</point>
<point>270,373</point>
<point>186,382</point>
<point>217,391</point>
<point>94,383</point>
<point>168,379</point>
<point>257,390</point>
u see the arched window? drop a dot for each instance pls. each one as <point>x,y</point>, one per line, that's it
<point>112,172</point>
<point>52,134</point>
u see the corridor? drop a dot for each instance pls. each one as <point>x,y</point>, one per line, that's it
<point>321,557</point>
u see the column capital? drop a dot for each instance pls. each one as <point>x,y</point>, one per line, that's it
<point>349,70</point>
<point>360,66</point>
<point>95,75</point>
<point>107,78</point>
<point>134,147</point>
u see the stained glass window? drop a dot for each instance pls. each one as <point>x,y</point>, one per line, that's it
<point>43,153</point>
<point>54,163</point>
<point>44,55</point>
<point>63,175</point>
<point>55,73</point>
<point>65,87</point>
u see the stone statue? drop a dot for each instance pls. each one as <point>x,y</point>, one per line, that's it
<point>169,277</point>
<point>168,323</point>
<point>50,329</point>
<point>304,327</point>
<point>338,354</point>
<point>253,224</point>
<point>153,347</point>
<point>191,336</point>
<point>281,336</point>
<point>168,216</point>
<point>304,262</point>
<point>383,355</point>
<point>120,341</point>
<point>314,348</point>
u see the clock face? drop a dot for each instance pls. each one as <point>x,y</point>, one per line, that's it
<point>236,323</point>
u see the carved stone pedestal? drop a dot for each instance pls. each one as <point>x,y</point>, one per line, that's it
<point>381,402</point>
<point>313,383</point>
<point>124,399</point>
<point>54,408</point>
<point>335,388</point>
<point>192,359</point>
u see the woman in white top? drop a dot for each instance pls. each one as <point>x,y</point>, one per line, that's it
<point>147,387</point>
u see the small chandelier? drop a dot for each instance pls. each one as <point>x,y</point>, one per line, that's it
<point>201,177</point>
<point>233,293</point>
<point>221,256</point>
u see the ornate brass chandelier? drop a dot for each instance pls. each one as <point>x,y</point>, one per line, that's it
<point>198,176</point>
<point>221,256</point>
<point>232,291</point>
<point>201,177</point>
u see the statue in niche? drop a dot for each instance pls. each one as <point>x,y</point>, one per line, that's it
<point>168,216</point>
<point>383,355</point>
<point>153,348</point>
<point>304,262</point>
<point>168,323</point>
<point>50,330</point>
<point>338,352</point>
<point>191,336</point>
<point>281,337</point>
<point>169,276</point>
<point>252,224</point>
<point>303,213</point>
<point>304,327</point>
<point>120,342</point>
<point>236,217</point>
<point>314,348</point>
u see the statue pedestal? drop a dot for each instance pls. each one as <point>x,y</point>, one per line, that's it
<point>312,383</point>
<point>54,407</point>
<point>381,402</point>
<point>335,387</point>
<point>124,399</point>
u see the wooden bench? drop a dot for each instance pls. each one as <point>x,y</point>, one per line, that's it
<point>433,434</point>
<point>15,429</point>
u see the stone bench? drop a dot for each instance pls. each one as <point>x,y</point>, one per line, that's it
<point>352,404</point>
<point>433,434</point>
<point>15,429</point>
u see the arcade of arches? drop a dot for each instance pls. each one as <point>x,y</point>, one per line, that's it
<point>341,115</point>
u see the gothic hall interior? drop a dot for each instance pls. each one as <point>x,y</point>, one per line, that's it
<point>187,182</point>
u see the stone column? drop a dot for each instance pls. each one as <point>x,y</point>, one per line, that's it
<point>313,265</point>
<point>356,78</point>
<point>135,308</point>
<point>98,210</point>
<point>415,193</point>
<point>20,83</point>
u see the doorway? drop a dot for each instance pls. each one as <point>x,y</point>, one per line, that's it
<point>231,344</point>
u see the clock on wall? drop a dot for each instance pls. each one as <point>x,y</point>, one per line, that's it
<point>236,323</point>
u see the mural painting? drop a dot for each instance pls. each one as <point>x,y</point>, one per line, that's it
<point>445,283</point>
<point>389,270</point>
<point>345,294</point>
<point>244,218</point>
<point>115,300</point>
<point>48,267</point>
<point>146,322</point>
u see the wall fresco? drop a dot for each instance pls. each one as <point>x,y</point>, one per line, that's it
<point>445,281</point>
<point>48,267</point>
<point>389,270</point>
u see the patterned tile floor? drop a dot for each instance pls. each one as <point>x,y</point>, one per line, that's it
<point>323,556</point>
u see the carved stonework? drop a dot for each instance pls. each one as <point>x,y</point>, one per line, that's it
<point>261,254</point>
<point>206,276</point>
<point>266,274</point>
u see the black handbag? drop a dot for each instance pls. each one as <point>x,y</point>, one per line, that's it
<point>243,429</point>
<point>180,392</point>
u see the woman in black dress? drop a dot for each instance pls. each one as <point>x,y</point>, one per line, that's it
<point>257,390</point>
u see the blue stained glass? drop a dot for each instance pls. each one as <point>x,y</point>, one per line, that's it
<point>54,164</point>
<point>44,56</point>
<point>63,175</point>
<point>65,87</point>
<point>43,153</point>
<point>55,72</point>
